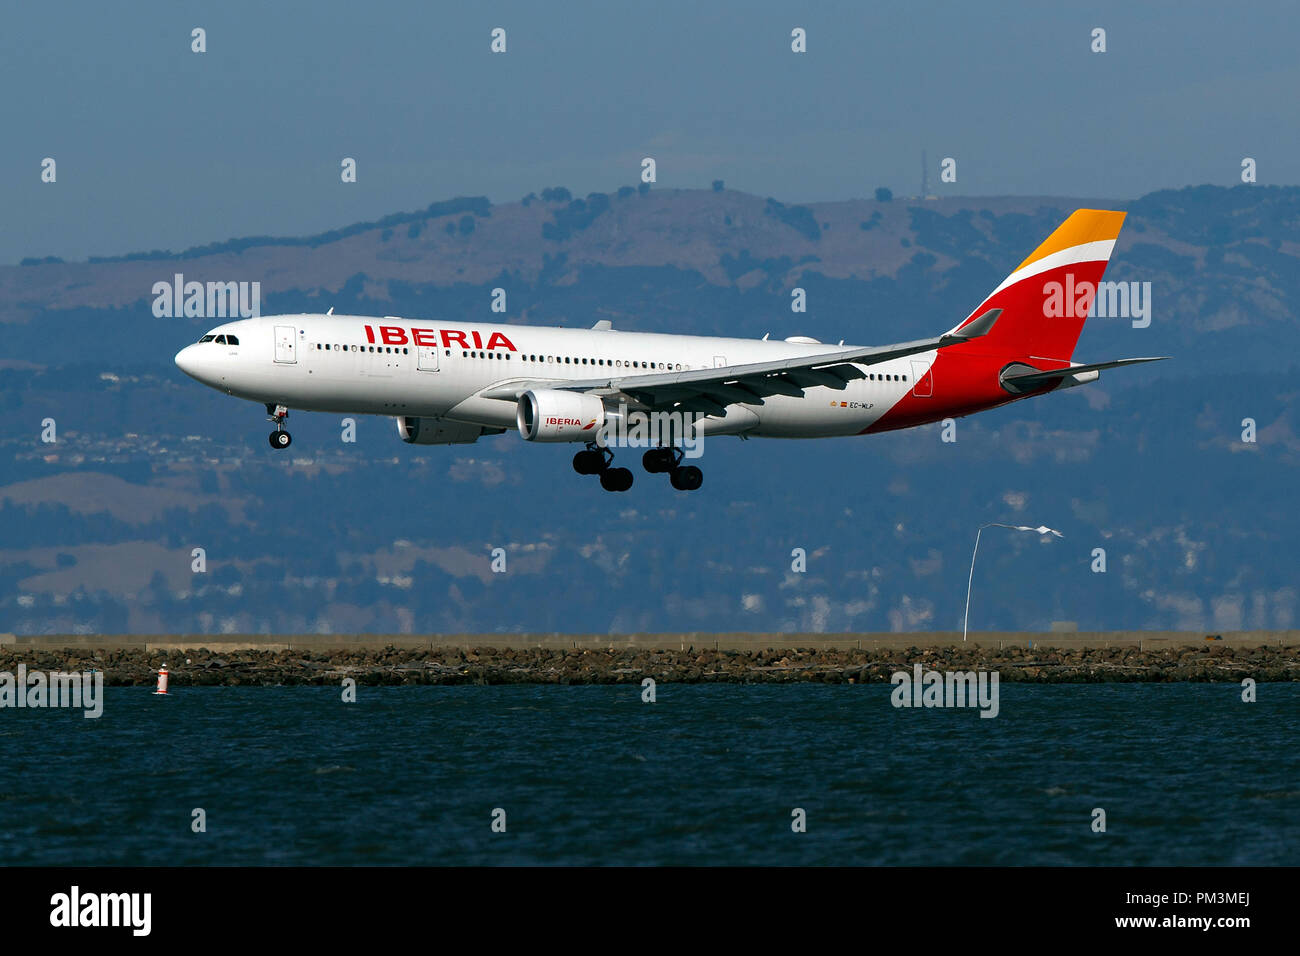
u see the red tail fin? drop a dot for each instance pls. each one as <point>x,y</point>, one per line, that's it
<point>1045,301</point>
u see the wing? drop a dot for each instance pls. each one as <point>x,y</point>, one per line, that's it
<point>711,390</point>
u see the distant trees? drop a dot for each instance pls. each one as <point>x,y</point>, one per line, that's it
<point>798,218</point>
<point>576,216</point>
<point>556,194</point>
<point>884,194</point>
<point>717,186</point>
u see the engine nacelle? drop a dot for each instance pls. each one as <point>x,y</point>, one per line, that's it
<point>434,431</point>
<point>549,414</point>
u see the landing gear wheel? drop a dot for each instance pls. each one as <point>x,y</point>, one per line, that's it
<point>589,462</point>
<point>616,479</point>
<point>686,478</point>
<point>276,414</point>
<point>659,460</point>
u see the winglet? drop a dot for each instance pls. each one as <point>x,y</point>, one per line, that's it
<point>973,329</point>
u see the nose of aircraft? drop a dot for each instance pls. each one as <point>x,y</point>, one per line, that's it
<point>188,361</point>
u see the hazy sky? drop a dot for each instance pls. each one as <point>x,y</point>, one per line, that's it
<point>160,147</point>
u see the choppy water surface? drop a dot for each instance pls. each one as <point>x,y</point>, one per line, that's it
<point>709,774</point>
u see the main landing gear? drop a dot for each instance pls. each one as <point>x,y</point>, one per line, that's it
<point>682,477</point>
<point>596,461</point>
<point>278,438</point>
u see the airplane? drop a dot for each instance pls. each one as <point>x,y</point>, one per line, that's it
<point>451,382</point>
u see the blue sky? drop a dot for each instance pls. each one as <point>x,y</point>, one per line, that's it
<point>159,147</point>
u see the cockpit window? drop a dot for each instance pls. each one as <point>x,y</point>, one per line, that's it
<point>206,338</point>
<point>221,340</point>
<point>232,340</point>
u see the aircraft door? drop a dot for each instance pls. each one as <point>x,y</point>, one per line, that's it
<point>922,380</point>
<point>286,352</point>
<point>426,358</point>
<point>719,361</point>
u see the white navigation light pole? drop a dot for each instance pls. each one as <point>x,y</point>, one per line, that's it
<point>1041,529</point>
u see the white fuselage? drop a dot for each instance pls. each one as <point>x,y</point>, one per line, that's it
<point>413,367</point>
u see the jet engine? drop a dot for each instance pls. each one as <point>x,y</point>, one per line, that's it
<point>435,431</point>
<point>550,414</point>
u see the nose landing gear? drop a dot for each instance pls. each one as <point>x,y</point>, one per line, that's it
<point>278,438</point>
<point>596,460</point>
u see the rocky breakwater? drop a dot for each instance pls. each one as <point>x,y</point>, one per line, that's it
<point>125,667</point>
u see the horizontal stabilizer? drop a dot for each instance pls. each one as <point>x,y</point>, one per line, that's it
<point>1030,380</point>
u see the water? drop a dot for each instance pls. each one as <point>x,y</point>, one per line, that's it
<point>1187,774</point>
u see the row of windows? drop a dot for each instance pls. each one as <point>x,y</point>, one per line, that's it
<point>362,348</point>
<point>573,360</point>
<point>548,359</point>
<point>220,339</point>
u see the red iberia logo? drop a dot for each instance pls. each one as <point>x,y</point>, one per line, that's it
<point>396,335</point>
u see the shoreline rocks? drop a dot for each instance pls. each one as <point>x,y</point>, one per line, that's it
<point>486,665</point>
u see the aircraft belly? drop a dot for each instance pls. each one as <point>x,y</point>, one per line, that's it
<point>315,389</point>
<point>821,413</point>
